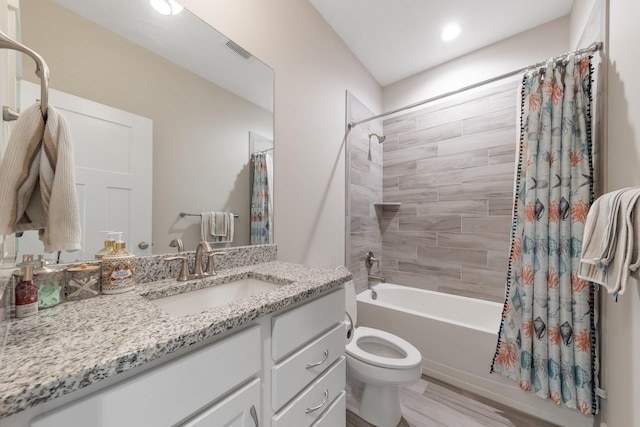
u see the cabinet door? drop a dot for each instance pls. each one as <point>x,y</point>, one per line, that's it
<point>239,409</point>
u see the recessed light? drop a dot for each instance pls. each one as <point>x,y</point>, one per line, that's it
<point>450,32</point>
<point>166,7</point>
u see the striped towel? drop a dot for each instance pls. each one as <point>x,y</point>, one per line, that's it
<point>37,173</point>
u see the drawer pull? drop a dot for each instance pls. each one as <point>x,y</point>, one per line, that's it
<point>313,365</point>
<point>254,415</point>
<point>315,408</point>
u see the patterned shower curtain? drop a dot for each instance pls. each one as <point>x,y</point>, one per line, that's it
<point>547,339</point>
<point>261,199</point>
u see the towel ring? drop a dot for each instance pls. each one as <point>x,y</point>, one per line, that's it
<point>42,70</point>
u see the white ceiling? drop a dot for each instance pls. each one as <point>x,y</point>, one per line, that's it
<point>395,39</point>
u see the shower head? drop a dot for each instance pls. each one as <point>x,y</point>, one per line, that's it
<point>380,138</point>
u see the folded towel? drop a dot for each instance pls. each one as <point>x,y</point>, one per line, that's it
<point>229,222</point>
<point>205,226</point>
<point>37,173</point>
<point>610,246</point>
<point>219,224</point>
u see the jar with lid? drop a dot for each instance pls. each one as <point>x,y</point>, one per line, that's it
<point>50,284</point>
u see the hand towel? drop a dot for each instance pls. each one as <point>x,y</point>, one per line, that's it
<point>610,244</point>
<point>219,224</point>
<point>37,176</point>
<point>229,221</point>
<point>205,226</point>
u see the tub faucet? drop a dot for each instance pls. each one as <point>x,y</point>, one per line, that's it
<point>370,259</point>
<point>203,247</point>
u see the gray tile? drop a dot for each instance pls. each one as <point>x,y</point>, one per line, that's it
<point>430,268</point>
<point>431,223</point>
<point>459,256</point>
<point>403,155</point>
<point>504,99</point>
<point>455,207</point>
<point>419,281</point>
<point>454,113</point>
<point>454,161</point>
<point>391,183</point>
<point>498,259</point>
<point>490,173</point>
<point>399,125</point>
<point>504,154</point>
<point>486,241</point>
<point>431,179</point>
<point>491,120</point>
<point>477,141</point>
<point>476,191</point>
<point>419,195</point>
<point>401,169</point>
<point>417,239</point>
<point>406,210</point>
<point>495,279</point>
<point>501,206</point>
<point>432,134</point>
<point>498,225</point>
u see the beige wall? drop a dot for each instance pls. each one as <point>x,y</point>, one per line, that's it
<point>200,131</point>
<point>516,52</point>
<point>621,320</point>
<point>313,69</point>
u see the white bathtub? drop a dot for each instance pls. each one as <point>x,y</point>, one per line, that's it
<point>457,338</point>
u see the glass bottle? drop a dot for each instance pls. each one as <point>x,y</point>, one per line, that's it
<point>27,290</point>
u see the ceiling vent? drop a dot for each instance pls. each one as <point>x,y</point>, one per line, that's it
<point>237,49</point>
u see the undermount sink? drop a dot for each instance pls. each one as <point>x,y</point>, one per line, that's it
<point>197,301</point>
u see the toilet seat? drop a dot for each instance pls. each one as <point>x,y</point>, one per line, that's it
<point>411,359</point>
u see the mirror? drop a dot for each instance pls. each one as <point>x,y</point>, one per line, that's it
<point>165,98</point>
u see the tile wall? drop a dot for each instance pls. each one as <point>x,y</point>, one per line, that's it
<point>451,165</point>
<point>364,187</point>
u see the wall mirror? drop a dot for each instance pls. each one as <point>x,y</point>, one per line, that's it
<point>165,112</point>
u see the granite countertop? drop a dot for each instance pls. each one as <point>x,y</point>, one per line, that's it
<point>75,344</point>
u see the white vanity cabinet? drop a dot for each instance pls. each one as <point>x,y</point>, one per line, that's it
<point>308,375</point>
<point>176,391</point>
<point>285,369</point>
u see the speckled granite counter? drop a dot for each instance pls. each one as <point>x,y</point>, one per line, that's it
<point>75,344</point>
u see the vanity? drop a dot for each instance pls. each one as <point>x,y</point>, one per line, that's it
<point>274,358</point>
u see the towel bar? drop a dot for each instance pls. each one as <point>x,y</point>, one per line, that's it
<point>183,214</point>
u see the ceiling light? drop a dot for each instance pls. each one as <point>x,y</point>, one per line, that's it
<point>166,7</point>
<point>450,32</point>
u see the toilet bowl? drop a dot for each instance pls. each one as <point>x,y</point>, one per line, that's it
<point>377,364</point>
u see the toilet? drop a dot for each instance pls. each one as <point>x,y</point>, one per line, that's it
<point>377,364</point>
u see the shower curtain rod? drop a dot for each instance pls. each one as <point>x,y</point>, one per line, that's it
<point>592,48</point>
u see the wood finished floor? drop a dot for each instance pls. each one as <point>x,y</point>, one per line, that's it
<point>431,403</point>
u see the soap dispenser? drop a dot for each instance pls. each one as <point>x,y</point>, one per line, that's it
<point>109,245</point>
<point>50,284</point>
<point>26,292</point>
<point>118,269</point>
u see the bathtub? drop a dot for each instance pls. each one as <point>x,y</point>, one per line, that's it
<point>457,338</point>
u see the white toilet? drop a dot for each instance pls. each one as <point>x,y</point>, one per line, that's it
<point>377,363</point>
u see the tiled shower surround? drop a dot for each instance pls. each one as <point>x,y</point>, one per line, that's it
<point>451,166</point>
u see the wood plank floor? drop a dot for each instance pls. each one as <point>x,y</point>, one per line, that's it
<point>431,403</point>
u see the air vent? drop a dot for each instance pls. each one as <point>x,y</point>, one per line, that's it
<point>237,49</point>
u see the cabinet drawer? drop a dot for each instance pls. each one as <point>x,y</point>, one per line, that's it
<point>303,410</point>
<point>170,392</point>
<point>241,407</point>
<point>335,415</point>
<point>295,327</point>
<point>296,371</point>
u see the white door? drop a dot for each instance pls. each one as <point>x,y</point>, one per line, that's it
<point>113,156</point>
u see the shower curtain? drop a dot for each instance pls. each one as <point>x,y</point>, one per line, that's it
<point>547,338</point>
<point>261,199</point>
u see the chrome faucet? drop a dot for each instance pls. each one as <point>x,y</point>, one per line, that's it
<point>211,263</point>
<point>203,247</point>
<point>370,259</point>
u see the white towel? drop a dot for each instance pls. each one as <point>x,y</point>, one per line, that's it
<point>610,243</point>
<point>37,176</point>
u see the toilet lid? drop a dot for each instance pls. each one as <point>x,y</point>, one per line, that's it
<point>412,359</point>
<point>350,303</point>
